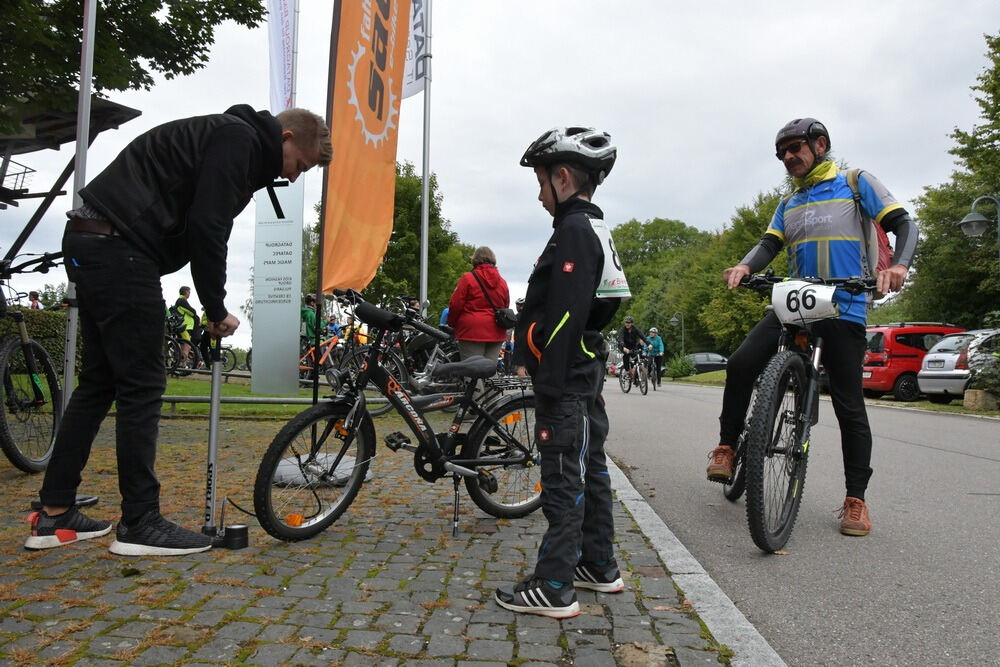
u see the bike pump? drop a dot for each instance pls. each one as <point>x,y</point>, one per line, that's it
<point>230,537</point>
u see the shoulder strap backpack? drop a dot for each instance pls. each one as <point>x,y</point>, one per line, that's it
<point>876,253</point>
<point>505,318</point>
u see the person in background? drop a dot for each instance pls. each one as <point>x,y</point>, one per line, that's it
<point>35,303</point>
<point>654,346</point>
<point>190,335</point>
<point>470,312</point>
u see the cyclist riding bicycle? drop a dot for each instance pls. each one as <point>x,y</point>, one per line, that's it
<point>630,341</point>
<point>822,225</point>
<point>654,348</point>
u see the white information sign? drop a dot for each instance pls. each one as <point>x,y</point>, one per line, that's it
<point>277,292</point>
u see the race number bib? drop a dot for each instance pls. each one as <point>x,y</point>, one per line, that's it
<point>613,284</point>
<point>799,302</point>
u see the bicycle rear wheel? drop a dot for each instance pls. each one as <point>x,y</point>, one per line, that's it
<point>777,447</point>
<point>312,471</point>
<point>28,425</point>
<point>506,489</point>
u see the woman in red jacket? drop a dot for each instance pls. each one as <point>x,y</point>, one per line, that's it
<point>470,311</point>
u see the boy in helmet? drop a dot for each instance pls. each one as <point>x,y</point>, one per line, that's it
<point>575,288</point>
<point>822,227</point>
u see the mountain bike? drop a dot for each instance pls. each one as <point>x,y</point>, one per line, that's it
<point>636,375</point>
<point>651,372</point>
<point>786,405</point>
<point>30,390</point>
<point>316,464</point>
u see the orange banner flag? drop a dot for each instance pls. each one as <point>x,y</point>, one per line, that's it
<point>369,56</point>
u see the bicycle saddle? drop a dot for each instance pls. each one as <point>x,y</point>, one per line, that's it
<point>473,367</point>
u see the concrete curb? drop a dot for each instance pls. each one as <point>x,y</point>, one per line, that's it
<point>727,623</point>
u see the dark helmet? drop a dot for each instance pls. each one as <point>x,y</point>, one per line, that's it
<point>310,298</point>
<point>808,128</point>
<point>586,147</point>
<point>628,319</point>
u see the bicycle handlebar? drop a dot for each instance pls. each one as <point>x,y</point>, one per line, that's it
<point>385,319</point>
<point>853,285</point>
<point>45,262</point>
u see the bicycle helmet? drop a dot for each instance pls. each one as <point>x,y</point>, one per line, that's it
<point>654,330</point>
<point>586,147</point>
<point>808,128</point>
<point>628,319</point>
<point>310,298</point>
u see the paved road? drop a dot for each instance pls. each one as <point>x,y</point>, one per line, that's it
<point>921,589</point>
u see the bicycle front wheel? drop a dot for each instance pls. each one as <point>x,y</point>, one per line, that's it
<point>643,380</point>
<point>625,380</point>
<point>312,472</point>
<point>777,447</point>
<point>228,359</point>
<point>509,486</point>
<point>29,422</point>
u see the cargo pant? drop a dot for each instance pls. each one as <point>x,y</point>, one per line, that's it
<point>576,487</point>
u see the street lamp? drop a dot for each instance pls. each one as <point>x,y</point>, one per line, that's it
<point>975,223</point>
<point>673,323</point>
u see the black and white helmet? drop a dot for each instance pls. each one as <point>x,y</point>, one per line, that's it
<point>586,147</point>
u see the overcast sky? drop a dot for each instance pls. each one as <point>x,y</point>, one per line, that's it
<point>692,94</point>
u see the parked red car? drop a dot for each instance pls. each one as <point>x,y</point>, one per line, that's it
<point>894,353</point>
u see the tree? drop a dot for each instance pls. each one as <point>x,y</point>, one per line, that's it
<point>40,50</point>
<point>52,296</point>
<point>399,273</point>
<point>957,279</point>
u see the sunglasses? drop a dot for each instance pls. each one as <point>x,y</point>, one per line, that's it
<point>792,148</point>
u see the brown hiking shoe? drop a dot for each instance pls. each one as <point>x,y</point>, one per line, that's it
<point>720,464</point>
<point>854,519</point>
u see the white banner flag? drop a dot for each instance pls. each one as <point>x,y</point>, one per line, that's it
<point>281,40</point>
<point>416,64</point>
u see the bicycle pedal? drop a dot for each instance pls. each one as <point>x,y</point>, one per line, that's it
<point>487,482</point>
<point>396,441</point>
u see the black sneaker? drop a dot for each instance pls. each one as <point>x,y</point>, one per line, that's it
<point>66,528</point>
<point>535,596</point>
<point>603,579</point>
<point>155,536</point>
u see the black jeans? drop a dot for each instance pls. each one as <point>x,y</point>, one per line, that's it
<point>843,355</point>
<point>576,487</point>
<point>121,322</point>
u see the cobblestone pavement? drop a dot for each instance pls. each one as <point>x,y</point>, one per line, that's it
<point>385,585</point>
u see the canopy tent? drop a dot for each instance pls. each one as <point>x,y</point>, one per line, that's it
<point>49,129</point>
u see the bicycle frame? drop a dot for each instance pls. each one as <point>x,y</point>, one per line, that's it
<point>327,346</point>
<point>413,409</point>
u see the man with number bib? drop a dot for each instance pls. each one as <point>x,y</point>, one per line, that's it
<point>572,295</point>
<point>822,227</point>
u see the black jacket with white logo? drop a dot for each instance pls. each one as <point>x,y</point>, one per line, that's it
<point>561,322</point>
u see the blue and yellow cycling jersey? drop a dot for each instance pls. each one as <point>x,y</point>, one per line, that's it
<point>821,229</point>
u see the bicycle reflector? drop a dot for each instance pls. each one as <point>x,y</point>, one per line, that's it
<point>340,427</point>
<point>294,520</point>
<point>512,418</point>
<point>802,340</point>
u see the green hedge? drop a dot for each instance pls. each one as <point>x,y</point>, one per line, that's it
<point>48,327</point>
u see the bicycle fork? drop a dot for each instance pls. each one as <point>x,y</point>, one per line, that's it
<point>29,361</point>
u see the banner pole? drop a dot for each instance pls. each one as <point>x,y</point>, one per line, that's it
<point>426,184</point>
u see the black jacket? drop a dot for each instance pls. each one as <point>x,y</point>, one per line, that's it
<point>561,322</point>
<point>174,191</point>
<point>630,339</point>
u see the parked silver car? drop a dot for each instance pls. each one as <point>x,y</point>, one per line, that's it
<point>944,374</point>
